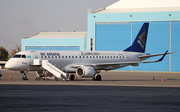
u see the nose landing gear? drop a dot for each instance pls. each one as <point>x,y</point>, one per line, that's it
<point>24,75</point>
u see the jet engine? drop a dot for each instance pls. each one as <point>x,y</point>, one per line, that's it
<point>85,72</point>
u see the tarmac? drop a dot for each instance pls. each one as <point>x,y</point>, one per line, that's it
<point>118,91</point>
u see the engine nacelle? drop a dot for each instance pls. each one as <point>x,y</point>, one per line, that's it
<point>85,72</point>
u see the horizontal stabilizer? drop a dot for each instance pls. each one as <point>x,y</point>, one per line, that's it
<point>153,55</point>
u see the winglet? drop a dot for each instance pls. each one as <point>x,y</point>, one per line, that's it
<point>163,56</point>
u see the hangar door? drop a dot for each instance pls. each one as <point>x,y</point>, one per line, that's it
<point>162,36</point>
<point>113,37</point>
<point>53,48</point>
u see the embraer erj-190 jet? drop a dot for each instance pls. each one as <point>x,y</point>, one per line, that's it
<point>66,64</point>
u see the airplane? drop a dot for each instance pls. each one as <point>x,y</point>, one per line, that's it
<point>68,64</point>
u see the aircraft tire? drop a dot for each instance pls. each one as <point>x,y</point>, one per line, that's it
<point>24,78</point>
<point>96,78</point>
<point>56,78</point>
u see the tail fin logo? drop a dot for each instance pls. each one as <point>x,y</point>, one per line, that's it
<point>142,37</point>
<point>139,44</point>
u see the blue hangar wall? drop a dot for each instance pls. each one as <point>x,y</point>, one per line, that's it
<point>116,31</point>
<point>55,44</point>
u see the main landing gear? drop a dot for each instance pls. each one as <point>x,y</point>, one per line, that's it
<point>96,77</point>
<point>24,75</point>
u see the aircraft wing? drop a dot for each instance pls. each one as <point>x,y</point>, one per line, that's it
<point>118,63</point>
<point>131,63</point>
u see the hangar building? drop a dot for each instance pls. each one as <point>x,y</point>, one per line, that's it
<point>114,28</point>
<point>71,41</point>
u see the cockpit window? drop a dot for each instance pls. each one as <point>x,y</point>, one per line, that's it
<point>17,56</point>
<point>23,56</point>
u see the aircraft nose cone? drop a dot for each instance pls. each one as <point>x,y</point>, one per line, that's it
<point>9,65</point>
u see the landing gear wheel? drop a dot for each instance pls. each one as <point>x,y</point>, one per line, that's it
<point>71,77</point>
<point>56,78</point>
<point>96,78</point>
<point>24,78</point>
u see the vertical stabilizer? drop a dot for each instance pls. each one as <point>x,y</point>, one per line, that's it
<point>139,44</point>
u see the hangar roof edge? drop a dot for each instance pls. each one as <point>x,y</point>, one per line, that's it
<point>59,35</point>
<point>141,6</point>
<point>169,9</point>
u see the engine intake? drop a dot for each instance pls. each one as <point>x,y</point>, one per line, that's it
<point>85,72</point>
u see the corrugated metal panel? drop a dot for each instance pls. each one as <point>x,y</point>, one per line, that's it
<point>52,48</point>
<point>175,46</point>
<point>162,36</point>
<point>113,37</point>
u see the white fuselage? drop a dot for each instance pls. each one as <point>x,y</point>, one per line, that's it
<point>22,61</point>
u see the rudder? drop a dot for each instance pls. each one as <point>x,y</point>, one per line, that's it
<point>139,44</point>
